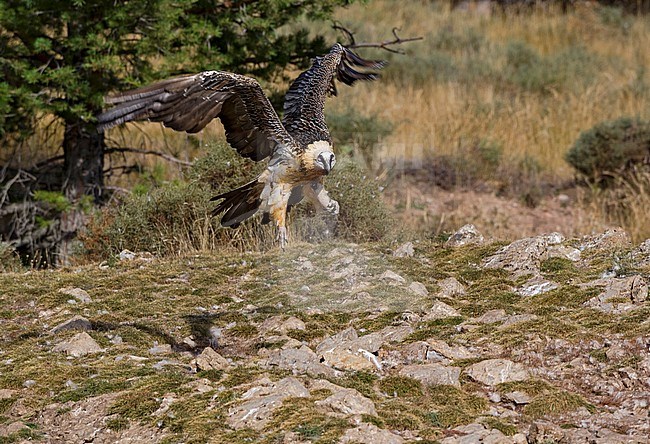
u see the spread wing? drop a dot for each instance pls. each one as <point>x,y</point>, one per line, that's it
<point>190,102</point>
<point>304,103</point>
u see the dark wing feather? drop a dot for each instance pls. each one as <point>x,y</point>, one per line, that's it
<point>304,103</point>
<point>190,102</point>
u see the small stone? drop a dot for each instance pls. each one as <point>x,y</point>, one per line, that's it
<point>389,275</point>
<point>211,360</point>
<point>457,352</point>
<point>300,361</point>
<point>496,371</point>
<point>404,250</point>
<point>161,349</point>
<point>77,293</point>
<point>29,383</point>
<point>536,286</point>
<point>370,434</point>
<point>494,397</point>
<point>450,287</point>
<point>432,374</point>
<point>440,310</point>
<point>189,341</point>
<point>282,325</point>
<point>262,401</point>
<point>79,345</point>
<point>419,289</point>
<point>519,398</point>
<point>467,234</point>
<point>492,316</point>
<point>516,319</point>
<point>75,323</point>
<point>7,393</point>
<point>348,402</point>
<point>71,385</point>
<point>126,255</point>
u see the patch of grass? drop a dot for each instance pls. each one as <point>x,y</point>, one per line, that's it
<point>213,375</point>
<point>363,382</point>
<point>532,387</point>
<point>503,427</point>
<point>438,328</point>
<point>454,406</point>
<point>559,269</point>
<point>599,355</point>
<point>400,386</point>
<point>243,330</point>
<point>556,402</point>
<point>116,424</point>
<point>93,387</point>
<point>301,416</point>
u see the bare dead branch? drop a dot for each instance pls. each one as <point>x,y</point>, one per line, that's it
<point>385,45</point>
<point>167,157</point>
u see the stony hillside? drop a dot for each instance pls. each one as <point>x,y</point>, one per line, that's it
<point>543,340</point>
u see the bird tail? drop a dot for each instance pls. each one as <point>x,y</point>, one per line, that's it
<point>239,204</point>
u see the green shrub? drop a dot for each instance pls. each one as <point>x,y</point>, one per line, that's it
<point>526,69</point>
<point>175,217</point>
<point>363,213</point>
<point>610,149</point>
<point>9,259</point>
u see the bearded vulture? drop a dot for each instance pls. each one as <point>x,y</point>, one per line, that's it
<point>299,147</point>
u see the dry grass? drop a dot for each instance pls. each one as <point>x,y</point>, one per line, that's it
<point>436,115</point>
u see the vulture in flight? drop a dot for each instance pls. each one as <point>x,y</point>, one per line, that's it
<point>298,148</point>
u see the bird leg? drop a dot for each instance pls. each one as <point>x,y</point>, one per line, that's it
<point>280,199</point>
<point>282,237</point>
<point>317,194</point>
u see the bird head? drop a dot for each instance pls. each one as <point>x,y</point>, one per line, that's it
<point>326,161</point>
<point>323,156</point>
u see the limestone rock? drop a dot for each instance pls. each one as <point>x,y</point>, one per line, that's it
<point>300,361</point>
<point>535,286</point>
<point>492,316</point>
<point>614,238</point>
<point>419,289</point>
<point>404,250</point>
<point>282,325</point>
<point>348,402</point>
<point>467,234</point>
<point>496,371</point>
<point>432,374</point>
<point>440,310</point>
<point>370,434</point>
<point>160,349</point>
<point>391,276</point>
<point>632,289</point>
<point>450,287</point>
<point>523,256</point>
<point>456,352</point>
<point>211,360</point>
<point>518,397</point>
<point>75,323</point>
<point>79,345</point>
<point>262,401</point>
<point>77,293</point>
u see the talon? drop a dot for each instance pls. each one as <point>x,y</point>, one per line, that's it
<point>333,207</point>
<point>282,237</point>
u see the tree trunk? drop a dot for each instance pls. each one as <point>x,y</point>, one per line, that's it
<point>83,175</point>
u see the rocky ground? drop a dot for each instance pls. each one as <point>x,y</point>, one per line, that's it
<point>541,340</point>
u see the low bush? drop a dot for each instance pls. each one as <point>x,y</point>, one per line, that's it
<point>610,150</point>
<point>176,217</point>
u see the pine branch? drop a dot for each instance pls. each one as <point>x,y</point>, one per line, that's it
<point>385,45</point>
<point>167,157</point>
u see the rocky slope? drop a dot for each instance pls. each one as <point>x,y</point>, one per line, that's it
<point>542,340</point>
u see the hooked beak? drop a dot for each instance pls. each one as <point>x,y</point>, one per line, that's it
<point>327,161</point>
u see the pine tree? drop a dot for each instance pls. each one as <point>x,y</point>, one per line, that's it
<point>60,57</point>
